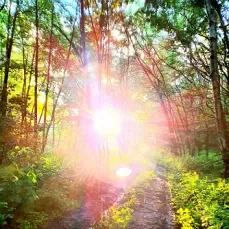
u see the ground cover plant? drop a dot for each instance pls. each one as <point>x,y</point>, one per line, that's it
<point>199,195</point>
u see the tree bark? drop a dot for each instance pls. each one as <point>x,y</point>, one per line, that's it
<point>215,79</point>
<point>61,86</point>
<point>9,45</point>
<point>84,52</point>
<point>48,79</point>
<point>36,72</point>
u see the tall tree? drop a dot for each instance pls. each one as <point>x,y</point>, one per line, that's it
<point>48,77</point>
<point>215,78</point>
<point>11,25</point>
<point>36,71</point>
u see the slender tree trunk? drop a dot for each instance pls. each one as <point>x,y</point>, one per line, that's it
<point>9,45</point>
<point>36,74</point>
<point>215,78</point>
<point>61,86</point>
<point>157,85</point>
<point>217,7</point>
<point>54,125</point>
<point>182,151</point>
<point>27,129</point>
<point>101,50</point>
<point>207,139</point>
<point>82,31</point>
<point>23,95</point>
<point>170,124</point>
<point>25,62</point>
<point>48,79</point>
<point>84,52</point>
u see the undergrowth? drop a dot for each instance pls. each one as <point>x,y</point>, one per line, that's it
<point>34,189</point>
<point>200,198</point>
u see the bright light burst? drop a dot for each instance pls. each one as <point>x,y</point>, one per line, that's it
<point>42,98</point>
<point>123,172</point>
<point>107,121</point>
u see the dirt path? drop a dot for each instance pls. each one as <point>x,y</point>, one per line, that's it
<point>153,210</point>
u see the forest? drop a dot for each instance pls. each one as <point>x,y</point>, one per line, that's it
<point>110,109</point>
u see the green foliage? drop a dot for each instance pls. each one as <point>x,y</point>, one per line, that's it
<point>17,188</point>
<point>45,166</point>
<point>53,202</point>
<point>22,157</point>
<point>118,217</point>
<point>174,16</point>
<point>5,213</point>
<point>49,165</point>
<point>32,220</point>
<point>200,202</point>
<point>171,58</point>
<point>184,218</point>
<point>32,191</point>
<point>210,165</point>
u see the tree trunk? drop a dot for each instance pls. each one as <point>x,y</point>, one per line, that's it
<point>83,52</point>
<point>48,79</point>
<point>61,86</point>
<point>170,124</point>
<point>36,75</point>
<point>215,79</point>
<point>9,45</point>
<point>207,139</point>
<point>23,107</point>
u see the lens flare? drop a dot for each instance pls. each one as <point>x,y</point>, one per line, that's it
<point>123,172</point>
<point>107,122</point>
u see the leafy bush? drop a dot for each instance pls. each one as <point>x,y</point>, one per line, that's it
<point>5,213</point>
<point>118,217</point>
<point>200,202</point>
<point>17,187</point>
<point>34,190</point>
<point>32,220</point>
<point>211,165</point>
<point>23,157</point>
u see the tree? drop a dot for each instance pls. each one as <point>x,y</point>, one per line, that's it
<point>215,78</point>
<point>186,23</point>
<point>11,25</point>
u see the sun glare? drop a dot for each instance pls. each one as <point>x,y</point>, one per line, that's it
<point>42,98</point>
<point>123,172</point>
<point>116,34</point>
<point>107,121</point>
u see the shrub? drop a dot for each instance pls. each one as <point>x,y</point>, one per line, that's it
<point>17,187</point>
<point>32,189</point>
<point>118,217</point>
<point>200,202</point>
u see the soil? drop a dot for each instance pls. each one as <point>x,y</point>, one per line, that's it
<point>153,210</point>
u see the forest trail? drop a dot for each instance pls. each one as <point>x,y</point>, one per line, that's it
<point>153,210</point>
